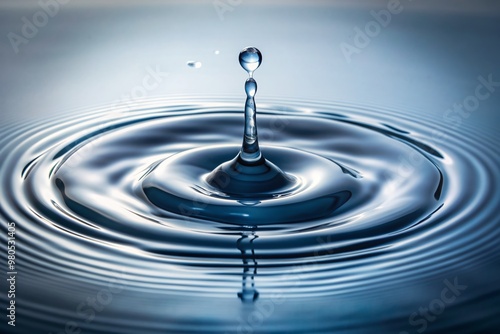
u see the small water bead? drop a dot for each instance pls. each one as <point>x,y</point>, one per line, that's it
<point>194,64</point>
<point>250,87</point>
<point>250,59</point>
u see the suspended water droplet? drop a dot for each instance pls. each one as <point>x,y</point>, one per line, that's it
<point>250,59</point>
<point>216,52</point>
<point>194,64</point>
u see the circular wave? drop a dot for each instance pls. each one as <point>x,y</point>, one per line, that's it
<point>412,200</point>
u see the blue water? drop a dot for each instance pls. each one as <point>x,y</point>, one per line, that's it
<point>395,217</point>
<point>357,217</point>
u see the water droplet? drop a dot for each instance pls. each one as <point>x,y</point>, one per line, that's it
<point>250,87</point>
<point>194,64</point>
<point>249,173</point>
<point>216,52</point>
<point>250,59</point>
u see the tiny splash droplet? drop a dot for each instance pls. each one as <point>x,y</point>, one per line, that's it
<point>194,64</point>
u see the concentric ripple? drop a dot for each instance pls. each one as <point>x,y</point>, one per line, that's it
<point>379,197</point>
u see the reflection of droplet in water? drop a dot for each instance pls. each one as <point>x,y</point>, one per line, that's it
<point>245,245</point>
<point>194,64</point>
<point>250,59</point>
